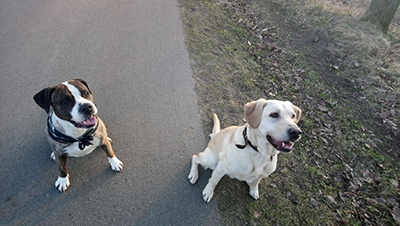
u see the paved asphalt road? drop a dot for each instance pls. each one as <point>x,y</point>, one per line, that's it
<point>132,54</point>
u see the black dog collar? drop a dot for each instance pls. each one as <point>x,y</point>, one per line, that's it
<point>83,140</point>
<point>246,141</point>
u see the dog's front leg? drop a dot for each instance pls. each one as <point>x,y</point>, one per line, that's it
<point>216,176</point>
<point>62,182</point>
<point>254,188</point>
<point>115,163</point>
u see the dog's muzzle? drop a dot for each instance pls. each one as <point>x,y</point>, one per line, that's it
<point>87,111</point>
<point>286,146</point>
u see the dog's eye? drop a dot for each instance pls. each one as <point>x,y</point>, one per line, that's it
<point>85,93</point>
<point>274,115</point>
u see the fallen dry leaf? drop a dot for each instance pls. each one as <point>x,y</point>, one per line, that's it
<point>385,114</point>
<point>396,214</point>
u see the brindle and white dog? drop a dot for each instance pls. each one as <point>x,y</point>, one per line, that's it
<point>250,152</point>
<point>73,127</point>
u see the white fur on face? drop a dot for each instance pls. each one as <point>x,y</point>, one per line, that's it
<point>277,127</point>
<point>79,100</point>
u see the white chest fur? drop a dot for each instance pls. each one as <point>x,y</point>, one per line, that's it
<point>256,168</point>
<point>74,151</point>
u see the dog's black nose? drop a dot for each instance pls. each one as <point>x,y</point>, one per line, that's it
<point>294,134</point>
<point>85,109</point>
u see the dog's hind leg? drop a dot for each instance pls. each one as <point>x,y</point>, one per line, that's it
<point>205,159</point>
<point>194,170</point>
<point>52,156</point>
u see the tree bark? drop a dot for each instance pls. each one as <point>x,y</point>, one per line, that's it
<point>381,13</point>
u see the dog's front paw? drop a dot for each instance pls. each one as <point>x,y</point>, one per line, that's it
<point>116,164</point>
<point>254,193</point>
<point>52,156</point>
<point>62,183</point>
<point>208,193</point>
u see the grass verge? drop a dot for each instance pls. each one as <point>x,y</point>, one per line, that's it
<point>344,76</point>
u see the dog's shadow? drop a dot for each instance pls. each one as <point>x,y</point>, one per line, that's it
<point>28,192</point>
<point>34,200</point>
<point>168,202</point>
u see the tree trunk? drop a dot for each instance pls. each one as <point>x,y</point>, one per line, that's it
<point>381,13</point>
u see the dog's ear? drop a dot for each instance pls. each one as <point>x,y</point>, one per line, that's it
<point>43,98</point>
<point>297,113</point>
<point>84,83</point>
<point>253,112</point>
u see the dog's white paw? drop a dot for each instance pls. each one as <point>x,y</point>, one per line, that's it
<point>254,193</point>
<point>208,193</point>
<point>52,156</point>
<point>116,164</point>
<point>62,183</point>
<point>193,176</point>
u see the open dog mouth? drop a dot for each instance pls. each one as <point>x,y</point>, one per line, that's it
<point>87,123</point>
<point>284,146</point>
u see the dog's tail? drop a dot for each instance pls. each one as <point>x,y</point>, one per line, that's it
<point>216,127</point>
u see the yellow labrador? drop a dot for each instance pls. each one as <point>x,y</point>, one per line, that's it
<point>249,153</point>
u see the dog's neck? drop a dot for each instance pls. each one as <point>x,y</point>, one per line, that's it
<point>260,141</point>
<point>66,127</point>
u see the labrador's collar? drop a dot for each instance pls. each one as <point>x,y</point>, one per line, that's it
<point>58,136</point>
<point>246,141</point>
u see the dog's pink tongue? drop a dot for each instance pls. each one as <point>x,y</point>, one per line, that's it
<point>90,121</point>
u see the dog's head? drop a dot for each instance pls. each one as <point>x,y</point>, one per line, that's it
<point>71,101</point>
<point>275,121</point>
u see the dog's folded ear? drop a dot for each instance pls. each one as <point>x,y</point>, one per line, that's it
<point>253,112</point>
<point>83,82</point>
<point>297,113</point>
<point>43,98</point>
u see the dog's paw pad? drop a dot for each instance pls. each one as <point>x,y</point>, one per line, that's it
<point>52,156</point>
<point>62,183</point>
<point>116,164</point>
